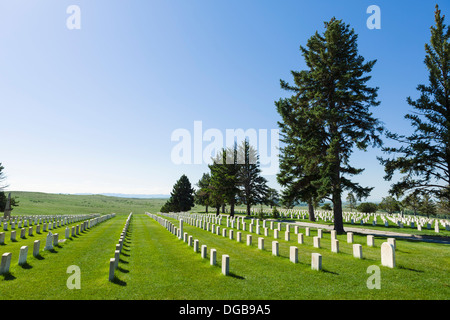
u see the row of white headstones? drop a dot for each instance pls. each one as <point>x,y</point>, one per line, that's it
<point>114,262</point>
<point>207,222</point>
<point>413,222</point>
<point>51,241</point>
<point>178,232</point>
<point>50,225</point>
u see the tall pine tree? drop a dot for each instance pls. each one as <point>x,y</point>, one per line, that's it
<point>328,115</point>
<point>224,184</point>
<point>425,155</point>
<point>203,193</point>
<point>253,187</point>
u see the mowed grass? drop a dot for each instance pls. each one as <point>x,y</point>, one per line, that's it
<point>156,265</point>
<point>421,273</point>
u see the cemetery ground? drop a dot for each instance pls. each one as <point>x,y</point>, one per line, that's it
<point>155,265</point>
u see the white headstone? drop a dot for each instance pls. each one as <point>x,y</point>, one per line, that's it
<point>349,237</point>
<point>316,241</point>
<point>335,245</point>
<point>370,241</point>
<point>316,261</point>
<point>213,256</point>
<point>261,243</point>
<point>293,254</point>
<point>225,264</point>
<point>275,248</point>
<point>23,255</point>
<point>387,255</point>
<point>357,251</point>
<point>5,263</point>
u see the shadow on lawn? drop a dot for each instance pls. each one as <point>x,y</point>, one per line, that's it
<point>233,275</point>
<point>116,280</point>
<point>8,276</point>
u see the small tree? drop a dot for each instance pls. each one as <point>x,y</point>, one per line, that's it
<point>427,206</point>
<point>367,207</point>
<point>412,201</point>
<point>275,213</point>
<point>202,194</point>
<point>389,204</point>
<point>252,186</point>
<point>351,201</point>
<point>327,207</point>
<point>181,197</point>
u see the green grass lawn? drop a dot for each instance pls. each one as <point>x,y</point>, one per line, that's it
<point>156,265</point>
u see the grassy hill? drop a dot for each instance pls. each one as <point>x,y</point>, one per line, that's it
<point>46,203</point>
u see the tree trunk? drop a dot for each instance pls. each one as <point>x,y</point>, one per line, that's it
<point>248,208</point>
<point>217,210</point>
<point>337,212</point>
<point>206,208</point>
<point>312,217</point>
<point>223,208</point>
<point>232,208</point>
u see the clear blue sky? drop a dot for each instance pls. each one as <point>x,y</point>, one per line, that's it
<point>92,110</point>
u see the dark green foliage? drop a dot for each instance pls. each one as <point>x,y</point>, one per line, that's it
<point>427,206</point>
<point>425,155</point>
<point>389,204</point>
<point>367,207</point>
<point>3,196</point>
<point>202,195</point>
<point>252,186</point>
<point>326,118</point>
<point>236,177</point>
<point>272,197</point>
<point>275,213</point>
<point>4,199</point>
<point>224,179</point>
<point>351,201</point>
<point>327,207</point>
<point>181,197</point>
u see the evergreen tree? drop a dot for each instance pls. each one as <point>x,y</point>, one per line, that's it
<point>181,197</point>
<point>367,207</point>
<point>427,206</point>
<point>296,176</point>
<point>203,193</point>
<point>425,155</point>
<point>328,115</point>
<point>253,187</point>
<point>224,179</point>
<point>412,201</point>
<point>351,201</point>
<point>389,204</point>
<point>272,197</point>
<point>2,177</point>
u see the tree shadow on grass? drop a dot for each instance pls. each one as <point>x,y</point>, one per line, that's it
<point>116,280</point>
